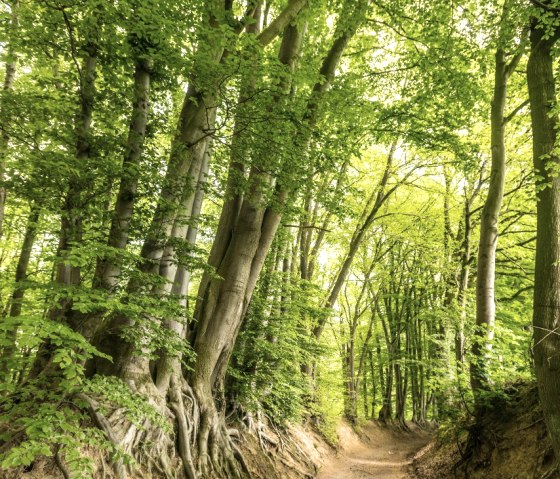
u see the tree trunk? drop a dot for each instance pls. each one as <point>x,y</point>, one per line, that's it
<point>108,269</point>
<point>464,273</point>
<point>71,222</point>
<point>546,305</point>
<point>9,78</point>
<point>19,290</point>
<point>485,300</point>
<point>350,393</point>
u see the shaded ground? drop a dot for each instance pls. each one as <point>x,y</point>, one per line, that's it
<point>511,443</point>
<point>378,453</point>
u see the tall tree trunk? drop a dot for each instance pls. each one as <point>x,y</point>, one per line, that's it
<point>464,273</point>
<point>9,78</point>
<point>108,269</point>
<point>20,287</point>
<point>177,275</point>
<point>485,300</point>
<point>386,411</point>
<point>71,222</point>
<point>194,130</point>
<point>224,299</point>
<point>546,305</point>
<point>373,381</point>
<point>350,393</point>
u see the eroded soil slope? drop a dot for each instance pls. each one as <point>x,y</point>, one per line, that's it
<point>509,443</point>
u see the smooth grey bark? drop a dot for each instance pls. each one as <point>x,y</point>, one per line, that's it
<point>238,262</point>
<point>108,269</point>
<point>188,148</point>
<point>236,172</point>
<point>71,216</point>
<point>177,275</point>
<point>71,221</point>
<point>264,225</point>
<point>223,299</point>
<point>546,300</point>
<point>485,279</point>
<point>194,130</point>
<point>213,450</point>
<point>196,125</point>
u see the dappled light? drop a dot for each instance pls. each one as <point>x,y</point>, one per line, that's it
<point>279,239</point>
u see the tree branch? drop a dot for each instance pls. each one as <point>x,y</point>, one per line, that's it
<point>544,6</point>
<point>515,111</point>
<point>281,21</point>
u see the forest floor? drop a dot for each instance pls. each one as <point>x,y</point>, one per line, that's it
<point>511,443</point>
<point>378,452</point>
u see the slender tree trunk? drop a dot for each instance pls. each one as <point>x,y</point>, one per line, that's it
<point>386,411</point>
<point>9,78</point>
<point>546,305</point>
<point>66,274</point>
<point>350,399</point>
<point>365,385</point>
<point>377,199</point>
<point>20,287</point>
<point>464,273</point>
<point>485,298</point>
<point>108,269</point>
<point>373,380</point>
<point>178,276</point>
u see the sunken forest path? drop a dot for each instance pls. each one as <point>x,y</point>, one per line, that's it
<point>378,453</point>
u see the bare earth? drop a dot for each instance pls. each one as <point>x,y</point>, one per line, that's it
<point>380,453</point>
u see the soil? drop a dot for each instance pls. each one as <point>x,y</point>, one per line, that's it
<point>511,442</point>
<point>378,452</point>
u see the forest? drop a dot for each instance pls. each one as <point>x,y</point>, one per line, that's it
<point>236,233</point>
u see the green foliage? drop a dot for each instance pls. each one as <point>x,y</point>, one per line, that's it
<point>115,393</point>
<point>412,91</point>
<point>266,370</point>
<point>43,418</point>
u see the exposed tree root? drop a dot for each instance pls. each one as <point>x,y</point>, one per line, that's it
<point>104,425</point>
<point>60,464</point>
<point>551,473</point>
<point>197,445</point>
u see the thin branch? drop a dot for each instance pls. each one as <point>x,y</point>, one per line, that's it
<point>515,111</point>
<point>72,41</point>
<point>519,293</point>
<point>308,227</point>
<point>544,6</point>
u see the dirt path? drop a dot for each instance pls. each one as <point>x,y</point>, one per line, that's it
<point>380,453</point>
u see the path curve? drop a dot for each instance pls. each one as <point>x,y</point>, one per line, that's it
<point>379,453</point>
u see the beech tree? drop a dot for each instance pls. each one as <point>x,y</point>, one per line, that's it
<point>542,94</point>
<point>485,300</point>
<point>219,218</point>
